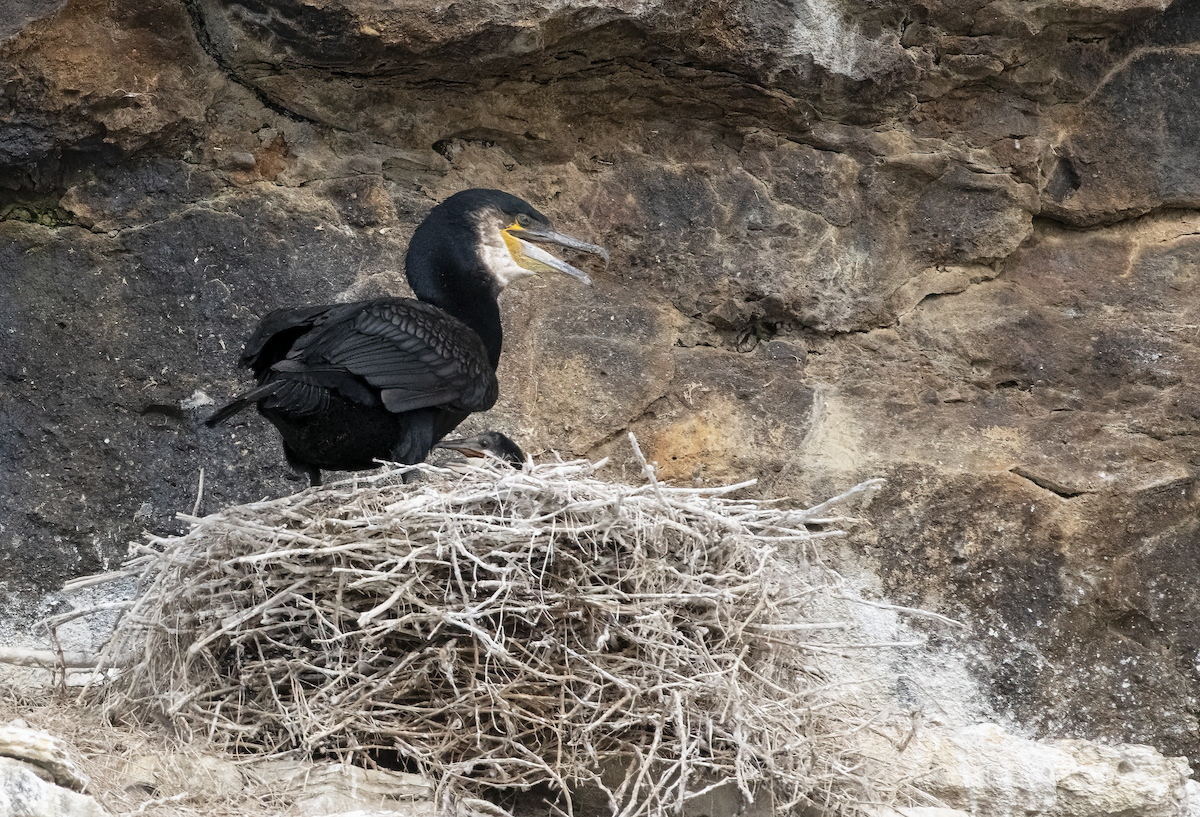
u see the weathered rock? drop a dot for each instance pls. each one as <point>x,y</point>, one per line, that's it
<point>315,789</point>
<point>1129,153</point>
<point>171,775</point>
<point>23,793</point>
<point>986,771</point>
<point>41,749</point>
<point>328,789</point>
<point>94,92</point>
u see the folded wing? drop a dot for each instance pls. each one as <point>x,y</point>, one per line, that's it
<point>398,352</point>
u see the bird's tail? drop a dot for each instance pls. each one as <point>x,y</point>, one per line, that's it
<point>241,401</point>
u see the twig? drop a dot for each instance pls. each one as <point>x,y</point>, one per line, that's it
<point>161,801</point>
<point>47,659</point>
<point>199,494</point>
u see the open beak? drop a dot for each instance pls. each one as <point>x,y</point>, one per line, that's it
<point>537,254</point>
<point>467,447</point>
<point>490,445</point>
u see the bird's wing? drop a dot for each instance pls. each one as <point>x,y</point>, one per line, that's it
<point>415,354</point>
<point>276,332</point>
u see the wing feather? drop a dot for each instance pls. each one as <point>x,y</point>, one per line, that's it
<point>299,397</point>
<point>405,353</point>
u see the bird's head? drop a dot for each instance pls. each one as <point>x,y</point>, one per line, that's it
<point>488,444</point>
<point>492,232</point>
<point>525,229</point>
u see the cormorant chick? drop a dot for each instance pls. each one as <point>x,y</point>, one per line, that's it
<point>488,444</point>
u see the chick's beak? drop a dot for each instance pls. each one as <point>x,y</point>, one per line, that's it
<point>466,447</point>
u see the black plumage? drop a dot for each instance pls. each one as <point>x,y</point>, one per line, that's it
<point>385,379</point>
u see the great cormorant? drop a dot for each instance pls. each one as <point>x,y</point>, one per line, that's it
<point>349,384</point>
<point>489,443</point>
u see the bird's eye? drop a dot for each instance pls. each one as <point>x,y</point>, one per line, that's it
<point>523,220</point>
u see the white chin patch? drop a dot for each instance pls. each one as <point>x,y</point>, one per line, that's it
<point>498,259</point>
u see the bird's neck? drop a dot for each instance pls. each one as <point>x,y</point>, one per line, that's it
<point>469,299</point>
<point>482,315</point>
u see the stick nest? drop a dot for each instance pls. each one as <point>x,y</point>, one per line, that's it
<point>502,629</point>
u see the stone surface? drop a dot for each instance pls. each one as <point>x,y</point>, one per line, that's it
<point>332,789</point>
<point>38,748</point>
<point>172,775</point>
<point>23,793</point>
<point>949,244</point>
<point>986,771</point>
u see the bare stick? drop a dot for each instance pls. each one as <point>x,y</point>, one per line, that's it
<point>199,494</point>
<point>47,659</point>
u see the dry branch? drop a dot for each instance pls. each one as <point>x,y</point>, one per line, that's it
<point>47,659</point>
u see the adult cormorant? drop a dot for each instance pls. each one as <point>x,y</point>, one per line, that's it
<point>349,384</point>
<point>489,443</point>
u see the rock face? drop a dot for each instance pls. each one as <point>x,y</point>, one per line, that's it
<point>38,748</point>
<point>951,244</point>
<point>987,772</point>
<point>24,793</point>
